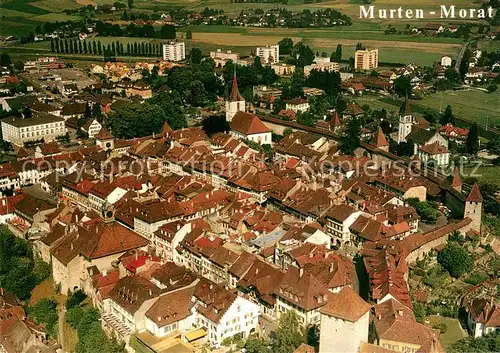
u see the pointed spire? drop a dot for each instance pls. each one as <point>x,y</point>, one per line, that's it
<point>103,134</point>
<point>475,194</point>
<point>335,119</point>
<point>457,181</point>
<point>235,94</point>
<point>166,129</point>
<point>379,139</point>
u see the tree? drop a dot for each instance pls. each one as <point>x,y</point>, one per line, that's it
<point>287,131</point>
<point>350,141</point>
<point>171,104</point>
<point>492,88</point>
<point>45,312</point>
<point>130,4</point>
<point>472,141</point>
<point>447,116</point>
<point>337,54</point>
<point>215,124</point>
<point>289,334</point>
<point>99,47</point>
<point>124,16</point>
<point>5,60</point>
<point>255,345</point>
<point>75,299</point>
<point>189,34</point>
<point>286,46</point>
<point>52,47</point>
<point>402,86</point>
<point>487,343</point>
<point>136,120</point>
<point>195,55</point>
<point>455,259</point>
<point>85,49</point>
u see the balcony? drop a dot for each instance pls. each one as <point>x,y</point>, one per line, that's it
<point>111,321</point>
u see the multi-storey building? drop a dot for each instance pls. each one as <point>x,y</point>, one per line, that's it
<point>269,54</point>
<point>47,126</point>
<point>366,59</point>
<point>174,51</point>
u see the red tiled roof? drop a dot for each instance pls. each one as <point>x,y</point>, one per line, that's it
<point>475,194</point>
<point>434,148</point>
<point>379,139</point>
<point>248,124</point>
<point>235,94</point>
<point>346,305</point>
<point>457,181</point>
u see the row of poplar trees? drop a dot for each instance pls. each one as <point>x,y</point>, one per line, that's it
<point>76,46</point>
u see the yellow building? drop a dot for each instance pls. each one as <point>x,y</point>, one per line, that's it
<point>366,59</point>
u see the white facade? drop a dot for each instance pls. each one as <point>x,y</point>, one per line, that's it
<point>269,54</point>
<point>242,317</point>
<point>17,130</point>
<point>338,335</point>
<point>233,107</point>
<point>298,107</point>
<point>446,61</point>
<point>264,138</point>
<point>174,51</point>
<point>340,231</point>
<point>94,128</point>
<point>405,124</point>
<point>366,59</point>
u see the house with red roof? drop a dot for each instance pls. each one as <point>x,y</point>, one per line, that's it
<point>346,314</point>
<point>95,243</point>
<point>453,133</point>
<point>484,316</point>
<point>249,126</point>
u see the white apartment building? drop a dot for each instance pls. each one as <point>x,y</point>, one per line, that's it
<point>366,59</point>
<point>18,130</point>
<point>321,66</point>
<point>174,51</point>
<point>269,54</point>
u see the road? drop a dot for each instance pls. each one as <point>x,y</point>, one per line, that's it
<point>62,318</point>
<point>460,56</point>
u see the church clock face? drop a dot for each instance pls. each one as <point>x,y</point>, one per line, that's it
<point>108,144</point>
<point>109,214</point>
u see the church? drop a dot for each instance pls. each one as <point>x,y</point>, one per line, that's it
<point>245,125</point>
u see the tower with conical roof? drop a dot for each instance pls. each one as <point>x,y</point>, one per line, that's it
<point>380,141</point>
<point>473,207</point>
<point>235,102</point>
<point>405,122</point>
<point>456,182</point>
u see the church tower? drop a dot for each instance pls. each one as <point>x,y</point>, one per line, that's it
<point>235,102</point>
<point>473,207</point>
<point>405,123</point>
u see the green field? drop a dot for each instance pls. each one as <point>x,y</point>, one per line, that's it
<point>472,105</point>
<point>453,331</point>
<point>487,173</point>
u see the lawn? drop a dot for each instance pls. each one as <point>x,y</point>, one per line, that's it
<point>46,289</point>
<point>471,105</point>
<point>23,6</point>
<point>487,173</point>
<point>453,330</point>
<point>54,16</point>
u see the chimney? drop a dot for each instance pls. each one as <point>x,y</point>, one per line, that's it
<point>136,254</point>
<point>331,267</point>
<point>4,202</point>
<point>150,293</point>
<point>400,312</point>
<point>104,273</point>
<point>72,246</point>
<point>301,272</point>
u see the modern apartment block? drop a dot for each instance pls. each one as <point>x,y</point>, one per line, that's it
<point>174,51</point>
<point>366,59</point>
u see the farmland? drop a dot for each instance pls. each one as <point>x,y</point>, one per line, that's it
<point>471,104</point>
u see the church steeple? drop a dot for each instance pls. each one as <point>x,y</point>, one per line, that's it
<point>405,122</point>
<point>235,102</point>
<point>235,94</point>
